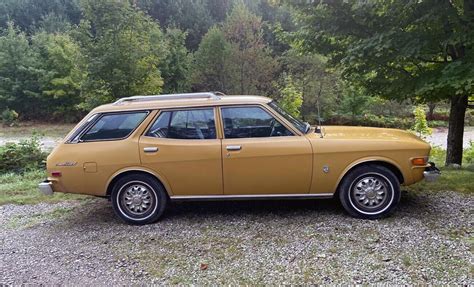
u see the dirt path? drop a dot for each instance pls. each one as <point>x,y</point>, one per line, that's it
<point>440,136</point>
<point>427,241</point>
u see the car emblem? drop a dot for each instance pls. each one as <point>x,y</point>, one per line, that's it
<point>325,169</point>
<point>67,163</point>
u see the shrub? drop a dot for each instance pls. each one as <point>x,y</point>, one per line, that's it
<point>23,156</point>
<point>469,153</point>
<point>421,124</point>
<point>9,117</point>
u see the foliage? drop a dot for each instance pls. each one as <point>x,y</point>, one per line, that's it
<point>421,124</point>
<point>211,67</point>
<point>253,68</point>
<point>23,156</point>
<point>9,117</point>
<point>469,153</point>
<point>123,48</point>
<point>422,50</point>
<point>175,67</point>
<point>291,98</point>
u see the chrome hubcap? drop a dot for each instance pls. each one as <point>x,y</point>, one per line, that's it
<point>137,199</point>
<point>370,192</point>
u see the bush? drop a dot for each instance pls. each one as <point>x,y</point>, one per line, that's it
<point>9,117</point>
<point>421,124</point>
<point>469,153</point>
<point>23,156</point>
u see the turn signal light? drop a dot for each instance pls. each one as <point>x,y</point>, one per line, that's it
<point>56,174</point>
<point>419,160</point>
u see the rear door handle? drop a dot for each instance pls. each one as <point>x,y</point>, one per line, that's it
<point>150,149</point>
<point>233,147</point>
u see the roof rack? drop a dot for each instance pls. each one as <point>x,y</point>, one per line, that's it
<point>208,95</point>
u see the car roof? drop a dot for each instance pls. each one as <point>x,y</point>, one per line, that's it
<point>175,101</point>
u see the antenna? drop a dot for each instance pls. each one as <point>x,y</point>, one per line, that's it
<point>319,128</point>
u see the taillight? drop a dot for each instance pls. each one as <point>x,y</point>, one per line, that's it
<point>56,174</point>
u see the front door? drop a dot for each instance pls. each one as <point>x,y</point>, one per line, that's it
<point>261,155</point>
<point>182,147</point>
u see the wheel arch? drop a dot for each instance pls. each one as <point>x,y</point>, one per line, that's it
<point>389,164</point>
<point>114,178</point>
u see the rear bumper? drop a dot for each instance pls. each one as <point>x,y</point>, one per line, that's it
<point>46,187</point>
<point>431,173</point>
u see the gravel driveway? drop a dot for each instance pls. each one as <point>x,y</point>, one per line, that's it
<point>428,240</point>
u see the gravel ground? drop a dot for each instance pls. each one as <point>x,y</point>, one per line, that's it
<point>429,240</point>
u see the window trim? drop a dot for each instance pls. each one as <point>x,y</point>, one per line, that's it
<point>290,129</point>
<point>161,111</point>
<point>101,115</point>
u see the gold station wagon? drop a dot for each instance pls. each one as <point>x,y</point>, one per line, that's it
<point>143,151</point>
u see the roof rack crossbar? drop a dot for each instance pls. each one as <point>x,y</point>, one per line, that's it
<point>168,97</point>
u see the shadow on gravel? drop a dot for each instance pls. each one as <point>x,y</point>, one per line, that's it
<point>100,211</point>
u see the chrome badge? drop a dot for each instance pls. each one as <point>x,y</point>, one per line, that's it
<point>325,169</point>
<point>67,163</point>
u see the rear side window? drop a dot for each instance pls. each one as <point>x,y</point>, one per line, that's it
<point>114,126</point>
<point>184,124</point>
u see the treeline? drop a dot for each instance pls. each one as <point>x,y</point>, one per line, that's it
<point>60,58</point>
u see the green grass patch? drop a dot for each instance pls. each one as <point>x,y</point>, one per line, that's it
<point>23,189</point>
<point>30,220</point>
<point>460,180</point>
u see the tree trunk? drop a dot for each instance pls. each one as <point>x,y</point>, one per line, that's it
<point>431,108</point>
<point>456,129</point>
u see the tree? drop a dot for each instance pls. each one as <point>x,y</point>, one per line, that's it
<point>291,98</point>
<point>251,59</point>
<point>62,73</point>
<point>421,50</point>
<point>19,89</point>
<point>211,67</point>
<point>123,49</point>
<point>175,67</point>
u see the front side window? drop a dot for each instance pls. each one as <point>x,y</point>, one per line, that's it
<point>184,124</point>
<point>114,126</point>
<point>251,122</point>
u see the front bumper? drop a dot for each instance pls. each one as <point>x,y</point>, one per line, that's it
<point>431,173</point>
<point>46,187</point>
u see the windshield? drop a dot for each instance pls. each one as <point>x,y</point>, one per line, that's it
<point>301,126</point>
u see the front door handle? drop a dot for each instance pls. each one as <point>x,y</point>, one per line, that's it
<point>233,147</point>
<point>150,149</point>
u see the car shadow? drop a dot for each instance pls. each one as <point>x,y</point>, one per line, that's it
<point>100,210</point>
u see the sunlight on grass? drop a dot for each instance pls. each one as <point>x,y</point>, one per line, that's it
<point>23,189</point>
<point>451,180</point>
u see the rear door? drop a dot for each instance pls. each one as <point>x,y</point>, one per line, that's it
<point>182,146</point>
<point>261,155</point>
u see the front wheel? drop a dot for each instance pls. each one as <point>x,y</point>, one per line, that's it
<point>370,192</point>
<point>138,199</point>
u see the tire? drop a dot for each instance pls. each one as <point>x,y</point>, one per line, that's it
<point>369,192</point>
<point>138,199</point>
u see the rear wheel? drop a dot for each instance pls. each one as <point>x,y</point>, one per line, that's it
<point>370,192</point>
<point>138,199</point>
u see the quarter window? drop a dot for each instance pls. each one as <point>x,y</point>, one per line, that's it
<point>184,124</point>
<point>251,122</point>
<point>114,126</point>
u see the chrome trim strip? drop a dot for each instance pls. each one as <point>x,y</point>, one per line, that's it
<point>251,196</point>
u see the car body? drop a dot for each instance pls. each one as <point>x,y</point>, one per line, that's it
<point>212,146</point>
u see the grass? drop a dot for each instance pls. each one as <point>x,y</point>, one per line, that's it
<point>30,220</point>
<point>26,129</point>
<point>23,189</point>
<point>459,180</point>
